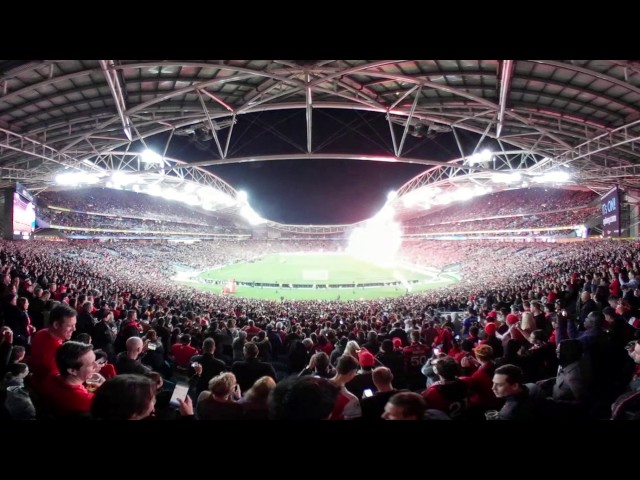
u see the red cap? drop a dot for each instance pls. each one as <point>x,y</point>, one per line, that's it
<point>397,343</point>
<point>512,319</point>
<point>366,359</point>
<point>492,314</point>
<point>490,329</point>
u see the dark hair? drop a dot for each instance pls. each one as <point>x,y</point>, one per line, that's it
<point>411,403</point>
<point>322,361</point>
<point>250,350</point>
<point>83,338</point>
<point>16,351</point>
<point>60,312</point>
<point>100,354</point>
<point>303,398</point>
<point>346,364</point>
<point>209,345</point>
<point>448,368</point>
<point>16,369</point>
<point>387,346</point>
<point>122,397</point>
<point>569,351</point>
<point>68,356</point>
<point>513,373</point>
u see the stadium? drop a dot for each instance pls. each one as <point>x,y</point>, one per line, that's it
<point>397,215</point>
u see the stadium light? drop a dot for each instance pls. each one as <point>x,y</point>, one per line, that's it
<point>251,216</point>
<point>76,178</point>
<point>391,195</point>
<point>151,157</point>
<point>242,196</point>
<point>481,157</point>
<point>514,177</point>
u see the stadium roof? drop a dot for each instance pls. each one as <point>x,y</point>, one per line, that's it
<point>535,116</point>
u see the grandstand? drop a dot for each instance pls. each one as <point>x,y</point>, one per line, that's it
<point>514,227</point>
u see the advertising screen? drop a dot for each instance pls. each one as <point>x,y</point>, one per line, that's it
<point>24,216</point>
<point>611,213</point>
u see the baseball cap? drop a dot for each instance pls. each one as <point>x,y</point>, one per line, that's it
<point>512,319</point>
<point>490,329</point>
<point>366,359</point>
<point>397,342</point>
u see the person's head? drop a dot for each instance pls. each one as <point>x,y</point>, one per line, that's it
<point>447,369</point>
<point>17,370</point>
<point>352,348</point>
<point>260,390</point>
<point>222,385</point>
<point>321,361</point>
<point>347,366</point>
<point>87,307</point>
<point>585,296</point>
<point>132,315</point>
<point>366,359</point>
<point>156,378</point>
<point>569,351</point>
<point>63,321</point>
<point>124,397</point>
<point>507,381</point>
<point>22,303</point>
<point>594,321</point>
<point>528,323</point>
<point>152,335</point>
<point>18,353</point>
<point>250,350</point>
<point>83,338</point>
<point>387,346</point>
<point>185,339</point>
<point>303,398</point>
<point>405,406</point>
<point>101,358</point>
<point>382,378</point>
<point>484,353</point>
<point>134,346</point>
<point>76,361</point>
<point>538,337</point>
<point>209,345</point>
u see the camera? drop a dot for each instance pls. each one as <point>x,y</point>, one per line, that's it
<point>151,346</point>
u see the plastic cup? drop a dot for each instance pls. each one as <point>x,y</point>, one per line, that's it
<point>93,382</point>
<point>491,415</point>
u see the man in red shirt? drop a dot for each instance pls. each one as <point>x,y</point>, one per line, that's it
<point>183,351</point>
<point>65,394</point>
<point>45,343</point>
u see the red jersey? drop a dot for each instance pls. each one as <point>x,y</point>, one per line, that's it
<point>42,363</point>
<point>452,398</point>
<point>415,356</point>
<point>65,399</point>
<point>182,354</point>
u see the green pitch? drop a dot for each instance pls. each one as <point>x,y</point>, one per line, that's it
<point>319,269</point>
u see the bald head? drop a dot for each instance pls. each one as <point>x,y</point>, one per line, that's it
<point>134,345</point>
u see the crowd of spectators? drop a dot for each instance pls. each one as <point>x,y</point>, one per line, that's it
<point>125,210</point>
<point>530,208</point>
<point>531,331</point>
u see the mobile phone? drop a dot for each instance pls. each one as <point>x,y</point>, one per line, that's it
<point>367,392</point>
<point>436,351</point>
<point>179,392</point>
<point>151,346</point>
